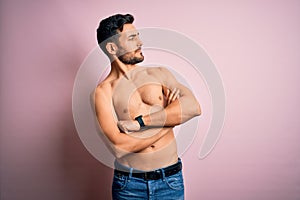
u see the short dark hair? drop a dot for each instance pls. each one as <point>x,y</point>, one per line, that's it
<point>109,27</point>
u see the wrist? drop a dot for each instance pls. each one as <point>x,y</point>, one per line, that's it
<point>140,121</point>
<point>146,120</point>
<point>137,124</point>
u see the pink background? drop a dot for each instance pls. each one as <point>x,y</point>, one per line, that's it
<point>254,44</point>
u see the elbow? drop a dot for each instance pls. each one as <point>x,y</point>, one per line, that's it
<point>198,109</point>
<point>194,109</point>
<point>190,111</point>
<point>119,155</point>
<point>121,147</point>
<point>121,150</point>
<point>118,152</point>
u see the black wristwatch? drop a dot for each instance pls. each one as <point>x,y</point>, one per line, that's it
<point>140,120</point>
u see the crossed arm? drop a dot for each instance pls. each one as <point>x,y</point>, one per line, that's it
<point>182,106</point>
<point>120,143</point>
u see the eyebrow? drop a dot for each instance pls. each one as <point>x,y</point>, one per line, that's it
<point>134,34</point>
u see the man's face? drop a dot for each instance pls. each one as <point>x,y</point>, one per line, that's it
<point>129,45</point>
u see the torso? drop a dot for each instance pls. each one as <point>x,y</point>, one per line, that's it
<point>141,94</point>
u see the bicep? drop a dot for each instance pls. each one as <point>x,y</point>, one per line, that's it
<point>170,82</point>
<point>187,101</point>
<point>105,117</point>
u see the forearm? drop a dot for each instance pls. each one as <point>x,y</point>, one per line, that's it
<point>149,132</point>
<point>176,113</point>
<point>137,141</point>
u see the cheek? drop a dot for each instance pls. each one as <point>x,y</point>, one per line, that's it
<point>121,51</point>
<point>127,48</point>
<point>131,46</point>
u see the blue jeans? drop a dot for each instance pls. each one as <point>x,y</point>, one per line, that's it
<point>127,187</point>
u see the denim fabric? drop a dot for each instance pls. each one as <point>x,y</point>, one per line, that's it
<point>131,188</point>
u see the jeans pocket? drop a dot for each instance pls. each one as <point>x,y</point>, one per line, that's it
<point>119,182</point>
<point>175,181</point>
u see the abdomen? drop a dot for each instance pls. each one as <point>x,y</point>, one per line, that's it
<point>162,154</point>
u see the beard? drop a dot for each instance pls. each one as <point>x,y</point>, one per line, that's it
<point>128,59</point>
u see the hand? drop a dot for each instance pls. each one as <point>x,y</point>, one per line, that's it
<point>128,126</point>
<point>172,95</point>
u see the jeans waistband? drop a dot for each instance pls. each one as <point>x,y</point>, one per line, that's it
<point>148,175</point>
<point>121,167</point>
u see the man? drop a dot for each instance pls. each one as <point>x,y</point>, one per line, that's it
<point>137,108</point>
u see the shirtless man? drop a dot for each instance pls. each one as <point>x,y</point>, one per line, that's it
<point>137,108</point>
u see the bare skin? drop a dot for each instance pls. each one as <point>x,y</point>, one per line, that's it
<point>153,92</point>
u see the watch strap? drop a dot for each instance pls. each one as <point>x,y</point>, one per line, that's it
<point>140,120</point>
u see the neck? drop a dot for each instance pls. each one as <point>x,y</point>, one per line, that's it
<point>120,69</point>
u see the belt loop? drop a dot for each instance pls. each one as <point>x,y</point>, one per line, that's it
<point>130,173</point>
<point>162,171</point>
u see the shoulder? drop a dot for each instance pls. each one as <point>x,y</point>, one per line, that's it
<point>155,68</point>
<point>103,89</point>
<point>161,73</point>
<point>158,70</point>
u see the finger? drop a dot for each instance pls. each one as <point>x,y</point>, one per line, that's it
<point>166,95</point>
<point>124,129</point>
<point>176,95</point>
<point>171,95</point>
<point>121,126</point>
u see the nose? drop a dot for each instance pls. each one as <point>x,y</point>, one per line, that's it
<point>139,42</point>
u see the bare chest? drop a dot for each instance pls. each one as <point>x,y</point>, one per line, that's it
<point>137,97</point>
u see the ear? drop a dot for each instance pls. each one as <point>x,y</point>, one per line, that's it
<point>111,48</point>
